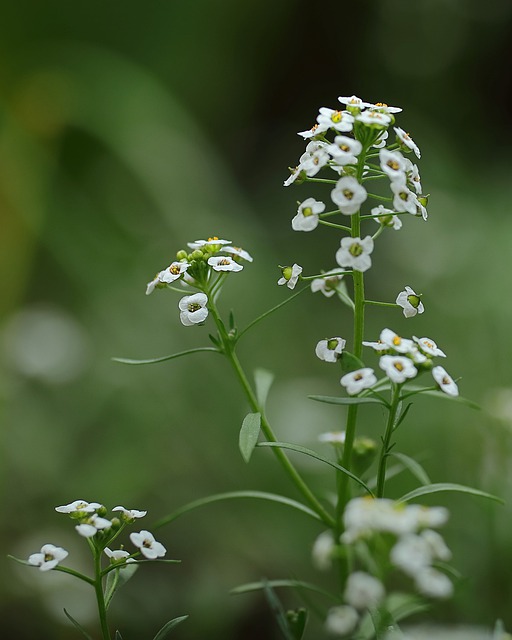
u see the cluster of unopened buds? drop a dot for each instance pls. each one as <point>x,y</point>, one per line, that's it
<point>92,524</point>
<point>204,268</point>
<point>400,358</point>
<point>412,546</point>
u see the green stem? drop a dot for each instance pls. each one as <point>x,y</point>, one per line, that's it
<point>335,226</point>
<point>381,304</point>
<point>100,597</point>
<point>384,452</point>
<point>229,352</point>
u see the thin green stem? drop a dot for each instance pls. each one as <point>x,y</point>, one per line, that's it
<point>335,226</point>
<point>376,303</point>
<point>386,440</point>
<point>376,197</point>
<point>100,596</point>
<point>77,574</point>
<point>229,352</point>
<point>322,180</point>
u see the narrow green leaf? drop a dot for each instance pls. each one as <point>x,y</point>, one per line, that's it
<point>314,454</point>
<point>401,415</point>
<point>165,358</point>
<point>263,380</point>
<point>168,627</point>
<point>77,625</point>
<point>234,495</point>
<point>249,433</point>
<point>117,578</point>
<point>277,584</point>
<point>118,635</point>
<point>412,391</point>
<point>447,486</point>
<point>342,293</point>
<point>414,467</point>
<point>342,400</point>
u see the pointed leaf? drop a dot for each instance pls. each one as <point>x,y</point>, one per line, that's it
<point>164,631</point>
<point>343,295</point>
<point>314,454</point>
<point>233,495</point>
<point>263,380</point>
<point>428,391</point>
<point>348,400</point>
<point>117,578</point>
<point>277,610</point>
<point>414,467</point>
<point>77,625</point>
<point>447,486</point>
<point>118,635</point>
<point>249,435</point>
<point>277,584</point>
<point>164,358</point>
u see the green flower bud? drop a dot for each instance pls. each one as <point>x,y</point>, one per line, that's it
<point>197,254</point>
<point>182,255</point>
<point>287,272</point>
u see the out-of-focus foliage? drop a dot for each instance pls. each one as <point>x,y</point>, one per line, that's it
<point>127,130</point>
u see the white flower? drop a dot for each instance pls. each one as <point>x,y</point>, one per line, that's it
<point>211,242</point>
<point>354,101</point>
<point>382,139</point>
<point>149,547</point>
<point>307,215</point>
<point>150,287</point>
<point>371,118</point>
<point>314,158</point>
<point>341,620</point>
<point>363,591</point>
<point>48,558</point>
<point>433,583</point>
<point>429,347</point>
<point>118,555</point>
<point>428,516</point>
<point>330,349</point>
<point>173,272</point>
<point>193,309</point>
<point>79,505</point>
<point>322,551</point>
<point>355,253</point>
<point>398,368</point>
<point>290,276</point>
<point>404,199</point>
<point>348,194</point>
<point>445,381</point>
<point>332,119</point>
<point>295,173</point>
<point>356,381</point>
<point>328,284</point>
<point>411,553</point>
<point>413,175</point>
<point>377,346</point>
<point>384,108</point>
<point>410,302</point>
<point>238,252</point>
<point>333,437</point>
<point>310,133</point>
<point>396,342</point>
<point>90,528</point>
<point>386,217</point>
<point>344,150</point>
<point>436,545</point>
<point>407,141</point>
<point>393,164</point>
<point>224,263</point>
<point>130,514</point>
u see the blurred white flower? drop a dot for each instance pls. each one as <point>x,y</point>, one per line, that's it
<point>445,381</point>
<point>341,620</point>
<point>363,591</point>
<point>356,381</point>
<point>48,558</point>
<point>147,544</point>
<point>407,141</point>
<point>348,194</point>
<point>398,368</point>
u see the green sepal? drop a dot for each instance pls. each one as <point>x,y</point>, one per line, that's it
<point>168,626</point>
<point>297,619</point>
<point>448,486</point>
<point>116,579</point>
<point>249,433</point>
<point>350,362</point>
<point>77,625</point>
<point>349,400</point>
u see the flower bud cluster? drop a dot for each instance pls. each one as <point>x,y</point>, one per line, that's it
<point>92,524</point>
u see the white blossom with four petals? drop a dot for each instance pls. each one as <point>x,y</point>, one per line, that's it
<point>193,309</point>
<point>330,349</point>
<point>48,558</point>
<point>398,368</point>
<point>224,263</point>
<point>348,194</point>
<point>355,253</point>
<point>290,276</point>
<point>358,380</point>
<point>149,547</point>
<point>327,284</point>
<point>445,381</point>
<point>410,302</point>
<point>307,218</point>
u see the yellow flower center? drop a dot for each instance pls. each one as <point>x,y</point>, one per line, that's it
<point>337,116</point>
<point>356,249</point>
<point>398,366</point>
<point>397,340</point>
<point>393,164</point>
<point>348,194</point>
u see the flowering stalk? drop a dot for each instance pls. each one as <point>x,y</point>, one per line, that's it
<point>386,440</point>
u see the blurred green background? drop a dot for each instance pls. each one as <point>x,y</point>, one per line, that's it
<point>128,129</point>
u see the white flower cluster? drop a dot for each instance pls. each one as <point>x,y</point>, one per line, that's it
<point>91,522</point>
<point>195,269</point>
<point>358,124</point>
<point>401,359</point>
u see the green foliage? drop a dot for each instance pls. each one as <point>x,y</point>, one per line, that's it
<point>249,434</point>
